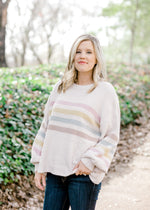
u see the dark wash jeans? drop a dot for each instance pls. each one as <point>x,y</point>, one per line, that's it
<point>79,192</point>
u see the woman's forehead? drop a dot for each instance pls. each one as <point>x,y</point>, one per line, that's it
<point>86,44</point>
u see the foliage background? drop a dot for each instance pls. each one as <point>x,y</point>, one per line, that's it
<point>35,34</point>
<point>23,94</point>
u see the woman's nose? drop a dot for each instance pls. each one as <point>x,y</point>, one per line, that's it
<point>82,55</point>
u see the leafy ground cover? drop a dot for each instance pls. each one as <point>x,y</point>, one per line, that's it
<point>23,93</point>
<point>132,86</point>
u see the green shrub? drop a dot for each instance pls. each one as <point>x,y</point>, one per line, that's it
<point>22,101</point>
<point>23,94</point>
<point>132,86</point>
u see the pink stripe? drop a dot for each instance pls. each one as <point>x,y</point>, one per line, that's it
<point>113,136</point>
<point>43,126</point>
<point>100,155</point>
<point>52,103</point>
<point>104,159</point>
<point>90,109</point>
<point>72,131</point>
<point>37,151</point>
<point>94,150</point>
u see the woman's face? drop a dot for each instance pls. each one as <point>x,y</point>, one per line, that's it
<point>85,57</point>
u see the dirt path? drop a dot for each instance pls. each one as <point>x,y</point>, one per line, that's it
<point>129,187</point>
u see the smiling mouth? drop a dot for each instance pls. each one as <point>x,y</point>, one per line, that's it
<point>82,62</point>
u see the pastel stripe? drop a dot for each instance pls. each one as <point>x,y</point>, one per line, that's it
<point>75,122</point>
<point>43,126</point>
<point>41,133</point>
<point>85,106</point>
<point>77,113</point>
<point>38,142</point>
<point>106,143</point>
<point>72,131</point>
<point>104,157</point>
<point>37,151</point>
<point>52,103</point>
<point>113,136</point>
<point>105,161</point>
<point>50,112</point>
<point>103,154</point>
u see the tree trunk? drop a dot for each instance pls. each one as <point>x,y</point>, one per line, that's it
<point>3,21</point>
<point>2,47</point>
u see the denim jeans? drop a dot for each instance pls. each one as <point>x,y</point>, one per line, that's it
<point>79,192</point>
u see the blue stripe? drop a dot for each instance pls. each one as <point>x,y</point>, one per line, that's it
<point>41,133</point>
<point>107,143</point>
<point>74,122</point>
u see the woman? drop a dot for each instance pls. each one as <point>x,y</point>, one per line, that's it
<point>79,133</point>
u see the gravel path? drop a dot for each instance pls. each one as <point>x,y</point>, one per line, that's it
<point>129,187</point>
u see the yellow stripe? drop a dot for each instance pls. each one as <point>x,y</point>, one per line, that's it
<point>38,142</point>
<point>77,113</point>
<point>50,112</point>
<point>107,153</point>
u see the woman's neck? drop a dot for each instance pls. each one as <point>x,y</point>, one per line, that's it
<point>84,79</point>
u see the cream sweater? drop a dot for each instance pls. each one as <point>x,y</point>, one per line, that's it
<point>78,126</point>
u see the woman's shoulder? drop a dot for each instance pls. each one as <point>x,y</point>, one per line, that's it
<point>106,86</point>
<point>56,85</point>
<point>108,91</point>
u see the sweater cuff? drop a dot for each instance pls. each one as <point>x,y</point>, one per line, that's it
<point>88,163</point>
<point>36,167</point>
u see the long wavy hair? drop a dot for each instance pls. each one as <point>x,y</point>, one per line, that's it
<point>71,74</point>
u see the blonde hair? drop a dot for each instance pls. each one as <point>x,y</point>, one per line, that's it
<point>71,74</point>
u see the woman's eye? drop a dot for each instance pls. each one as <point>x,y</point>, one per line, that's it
<point>78,52</point>
<point>89,52</point>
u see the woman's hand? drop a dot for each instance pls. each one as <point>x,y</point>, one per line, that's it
<point>81,169</point>
<point>40,180</point>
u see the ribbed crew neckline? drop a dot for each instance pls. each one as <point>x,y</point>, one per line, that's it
<point>83,86</point>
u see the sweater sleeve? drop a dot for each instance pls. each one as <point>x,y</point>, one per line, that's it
<point>39,138</point>
<point>99,156</point>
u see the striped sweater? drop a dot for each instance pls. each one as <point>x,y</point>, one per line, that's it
<point>78,126</point>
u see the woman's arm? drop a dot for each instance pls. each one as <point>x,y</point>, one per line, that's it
<point>101,155</point>
<point>39,139</point>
